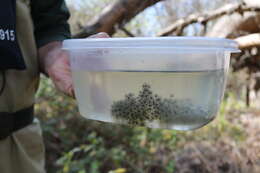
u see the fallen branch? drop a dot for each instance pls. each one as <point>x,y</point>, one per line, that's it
<point>247,41</point>
<point>116,14</point>
<point>128,33</point>
<point>180,24</point>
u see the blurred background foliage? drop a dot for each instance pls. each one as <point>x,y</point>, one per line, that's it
<point>231,143</point>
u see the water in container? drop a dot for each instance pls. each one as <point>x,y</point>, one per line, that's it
<point>175,100</point>
<point>170,82</point>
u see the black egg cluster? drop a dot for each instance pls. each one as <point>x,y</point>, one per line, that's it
<point>145,107</point>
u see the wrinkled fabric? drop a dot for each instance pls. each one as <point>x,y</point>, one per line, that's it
<point>23,151</point>
<point>10,53</point>
<point>50,21</point>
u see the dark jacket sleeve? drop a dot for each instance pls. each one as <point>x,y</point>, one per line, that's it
<point>50,21</point>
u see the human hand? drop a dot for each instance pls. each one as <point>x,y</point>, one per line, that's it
<point>54,62</point>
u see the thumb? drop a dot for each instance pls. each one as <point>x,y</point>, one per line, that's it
<point>100,35</point>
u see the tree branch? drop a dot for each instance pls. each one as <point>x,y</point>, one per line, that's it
<point>128,33</point>
<point>180,24</point>
<point>247,41</point>
<point>118,13</point>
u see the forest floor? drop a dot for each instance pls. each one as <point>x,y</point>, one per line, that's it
<point>236,150</point>
<point>229,144</point>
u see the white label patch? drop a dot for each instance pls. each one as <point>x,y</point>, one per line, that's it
<point>7,35</point>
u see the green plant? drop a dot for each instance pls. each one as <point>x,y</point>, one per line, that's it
<point>90,156</point>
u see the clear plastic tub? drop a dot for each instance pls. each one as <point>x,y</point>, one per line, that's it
<point>170,82</point>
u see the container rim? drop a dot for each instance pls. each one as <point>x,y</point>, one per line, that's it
<point>153,42</point>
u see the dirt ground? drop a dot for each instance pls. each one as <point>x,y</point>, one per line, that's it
<point>225,155</point>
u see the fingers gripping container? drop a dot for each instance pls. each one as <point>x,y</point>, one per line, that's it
<point>170,82</point>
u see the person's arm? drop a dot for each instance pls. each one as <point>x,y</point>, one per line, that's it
<point>51,28</point>
<point>55,63</point>
<point>50,18</point>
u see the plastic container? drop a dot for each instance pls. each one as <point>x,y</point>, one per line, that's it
<point>170,82</point>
